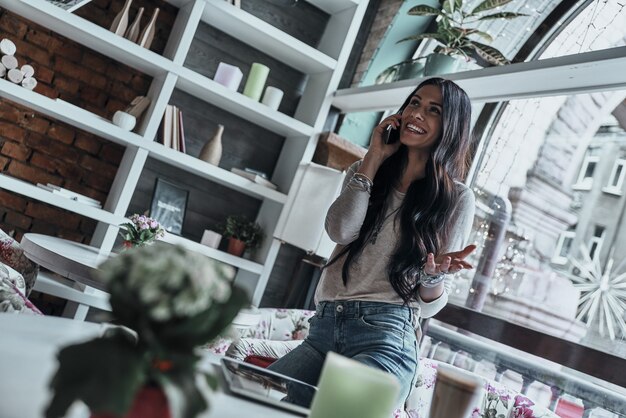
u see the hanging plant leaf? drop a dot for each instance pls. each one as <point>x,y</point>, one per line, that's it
<point>489,54</point>
<point>421,36</point>
<point>489,4</point>
<point>503,15</point>
<point>424,10</point>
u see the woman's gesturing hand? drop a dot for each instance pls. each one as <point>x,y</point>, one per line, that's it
<point>449,262</point>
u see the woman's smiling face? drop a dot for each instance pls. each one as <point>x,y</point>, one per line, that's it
<point>422,118</point>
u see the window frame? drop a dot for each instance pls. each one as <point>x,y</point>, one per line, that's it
<point>557,258</point>
<point>582,182</point>
<point>616,189</point>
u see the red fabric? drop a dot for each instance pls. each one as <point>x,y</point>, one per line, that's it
<point>261,361</point>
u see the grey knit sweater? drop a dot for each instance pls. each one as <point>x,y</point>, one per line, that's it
<point>368,273</point>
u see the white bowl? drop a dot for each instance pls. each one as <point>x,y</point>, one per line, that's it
<point>124,120</point>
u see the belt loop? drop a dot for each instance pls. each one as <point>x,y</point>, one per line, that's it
<point>357,308</point>
<point>320,309</point>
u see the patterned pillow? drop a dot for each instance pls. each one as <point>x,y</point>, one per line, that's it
<point>11,297</point>
<point>13,256</point>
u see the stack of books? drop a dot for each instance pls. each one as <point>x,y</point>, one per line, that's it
<point>255,176</point>
<point>70,195</point>
<point>172,132</point>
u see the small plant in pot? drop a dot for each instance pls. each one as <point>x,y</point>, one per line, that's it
<point>242,234</point>
<point>453,35</point>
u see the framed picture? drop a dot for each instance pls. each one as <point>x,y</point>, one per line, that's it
<point>168,206</point>
<point>69,5</point>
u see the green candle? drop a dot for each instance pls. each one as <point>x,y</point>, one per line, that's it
<point>349,389</point>
<point>256,81</point>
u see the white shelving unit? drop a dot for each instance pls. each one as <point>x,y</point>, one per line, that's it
<point>324,67</point>
<point>587,72</point>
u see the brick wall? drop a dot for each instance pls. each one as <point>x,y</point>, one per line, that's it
<point>39,149</point>
<point>384,15</point>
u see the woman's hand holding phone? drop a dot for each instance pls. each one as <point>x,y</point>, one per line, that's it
<point>378,150</point>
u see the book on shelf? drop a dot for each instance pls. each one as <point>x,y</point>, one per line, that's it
<point>70,195</point>
<point>172,132</point>
<point>254,176</point>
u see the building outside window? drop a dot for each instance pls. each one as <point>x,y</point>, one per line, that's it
<point>616,179</point>
<point>563,247</point>
<point>596,241</point>
<point>587,170</point>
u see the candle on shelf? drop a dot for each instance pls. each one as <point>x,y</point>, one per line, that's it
<point>349,389</point>
<point>256,81</point>
<point>211,238</point>
<point>228,75</point>
<point>272,97</point>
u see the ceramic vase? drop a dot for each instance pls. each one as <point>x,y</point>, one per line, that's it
<point>120,23</point>
<point>147,35</point>
<point>211,152</point>
<point>236,247</point>
<point>437,64</point>
<point>133,30</point>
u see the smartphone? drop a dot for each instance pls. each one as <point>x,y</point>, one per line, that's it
<point>391,135</point>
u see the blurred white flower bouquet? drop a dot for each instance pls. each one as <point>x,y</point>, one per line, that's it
<point>141,230</point>
<point>175,301</point>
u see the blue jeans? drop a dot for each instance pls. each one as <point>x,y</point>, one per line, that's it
<point>381,335</point>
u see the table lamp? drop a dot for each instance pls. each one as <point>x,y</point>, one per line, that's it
<point>349,389</point>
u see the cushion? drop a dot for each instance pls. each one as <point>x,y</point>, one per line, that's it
<point>12,255</point>
<point>261,361</point>
<point>260,347</point>
<point>11,297</point>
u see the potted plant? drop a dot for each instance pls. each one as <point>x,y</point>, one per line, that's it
<point>242,234</point>
<point>169,301</point>
<point>453,35</point>
<point>140,231</point>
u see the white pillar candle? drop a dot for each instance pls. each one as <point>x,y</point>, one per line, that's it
<point>211,238</point>
<point>272,97</point>
<point>228,75</point>
<point>256,81</point>
<point>349,389</point>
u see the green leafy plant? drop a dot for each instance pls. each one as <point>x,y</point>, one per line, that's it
<point>141,230</point>
<point>239,227</point>
<point>453,35</point>
<point>171,301</point>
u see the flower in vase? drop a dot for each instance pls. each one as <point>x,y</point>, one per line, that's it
<point>141,230</point>
<point>169,301</point>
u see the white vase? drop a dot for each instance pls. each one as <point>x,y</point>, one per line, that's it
<point>124,120</point>
<point>211,152</point>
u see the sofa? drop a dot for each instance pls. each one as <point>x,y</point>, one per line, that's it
<point>17,277</point>
<point>273,332</point>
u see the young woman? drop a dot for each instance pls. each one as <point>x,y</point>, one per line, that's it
<point>400,223</point>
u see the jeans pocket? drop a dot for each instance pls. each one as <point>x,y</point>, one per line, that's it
<point>384,322</point>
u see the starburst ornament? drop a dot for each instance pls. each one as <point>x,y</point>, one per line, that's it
<point>603,294</point>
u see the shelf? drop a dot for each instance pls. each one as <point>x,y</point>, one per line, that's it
<point>101,127</point>
<point>266,38</point>
<point>571,74</point>
<point>218,255</point>
<point>29,190</point>
<point>255,112</point>
<point>200,168</point>
<point>334,6</point>
<point>90,35</point>
<point>68,113</point>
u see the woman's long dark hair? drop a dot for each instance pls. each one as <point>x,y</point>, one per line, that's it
<point>429,202</point>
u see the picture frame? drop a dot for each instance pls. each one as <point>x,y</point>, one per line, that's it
<point>69,5</point>
<point>168,205</point>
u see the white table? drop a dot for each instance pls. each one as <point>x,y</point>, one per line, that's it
<point>28,361</point>
<point>74,261</point>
